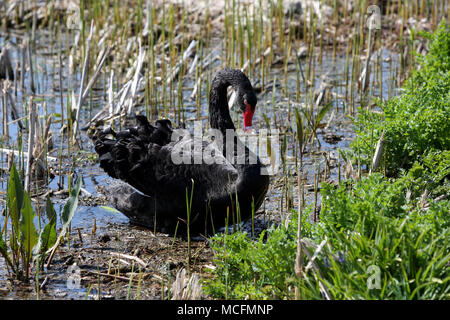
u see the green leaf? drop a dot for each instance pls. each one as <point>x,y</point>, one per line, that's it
<point>68,212</point>
<point>15,197</point>
<point>323,112</point>
<point>110,209</point>
<point>47,239</point>
<point>50,210</point>
<point>4,252</point>
<point>70,207</point>
<point>27,228</point>
<point>47,235</point>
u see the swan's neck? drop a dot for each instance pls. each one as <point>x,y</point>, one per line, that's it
<point>219,113</point>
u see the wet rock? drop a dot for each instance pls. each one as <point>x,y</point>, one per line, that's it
<point>293,8</point>
<point>104,238</point>
<point>332,138</point>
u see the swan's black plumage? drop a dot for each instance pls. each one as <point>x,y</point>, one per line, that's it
<point>142,157</point>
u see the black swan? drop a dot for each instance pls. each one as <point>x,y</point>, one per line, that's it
<point>141,156</point>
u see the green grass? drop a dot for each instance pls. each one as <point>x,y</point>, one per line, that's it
<point>369,223</point>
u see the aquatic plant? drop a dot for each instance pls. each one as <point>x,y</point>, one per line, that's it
<point>26,243</point>
<point>152,57</point>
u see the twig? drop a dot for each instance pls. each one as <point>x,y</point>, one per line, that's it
<point>127,256</point>
<point>30,63</point>
<point>109,275</point>
<point>316,254</point>
<point>365,74</point>
<point>25,154</point>
<point>193,65</point>
<point>125,96</point>
<point>83,77</point>
<point>5,116</point>
<point>312,264</point>
<point>30,143</point>
<point>6,70</point>
<point>14,112</point>
<point>136,78</point>
<point>103,55</point>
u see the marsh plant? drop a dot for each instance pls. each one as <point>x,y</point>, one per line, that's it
<point>26,245</point>
<point>416,122</point>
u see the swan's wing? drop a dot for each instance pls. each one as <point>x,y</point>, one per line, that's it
<point>108,141</point>
<point>167,171</point>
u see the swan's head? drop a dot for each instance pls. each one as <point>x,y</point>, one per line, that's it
<point>247,103</point>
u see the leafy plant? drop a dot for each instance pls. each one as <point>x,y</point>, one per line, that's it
<point>366,225</point>
<point>26,242</point>
<point>416,122</point>
<point>258,269</point>
<point>372,223</point>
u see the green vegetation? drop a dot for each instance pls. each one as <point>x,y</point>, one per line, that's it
<point>379,237</point>
<point>26,242</point>
<point>416,122</point>
<point>255,269</point>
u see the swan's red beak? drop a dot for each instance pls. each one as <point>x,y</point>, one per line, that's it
<point>248,116</point>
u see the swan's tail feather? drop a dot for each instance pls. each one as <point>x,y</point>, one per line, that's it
<point>124,155</point>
